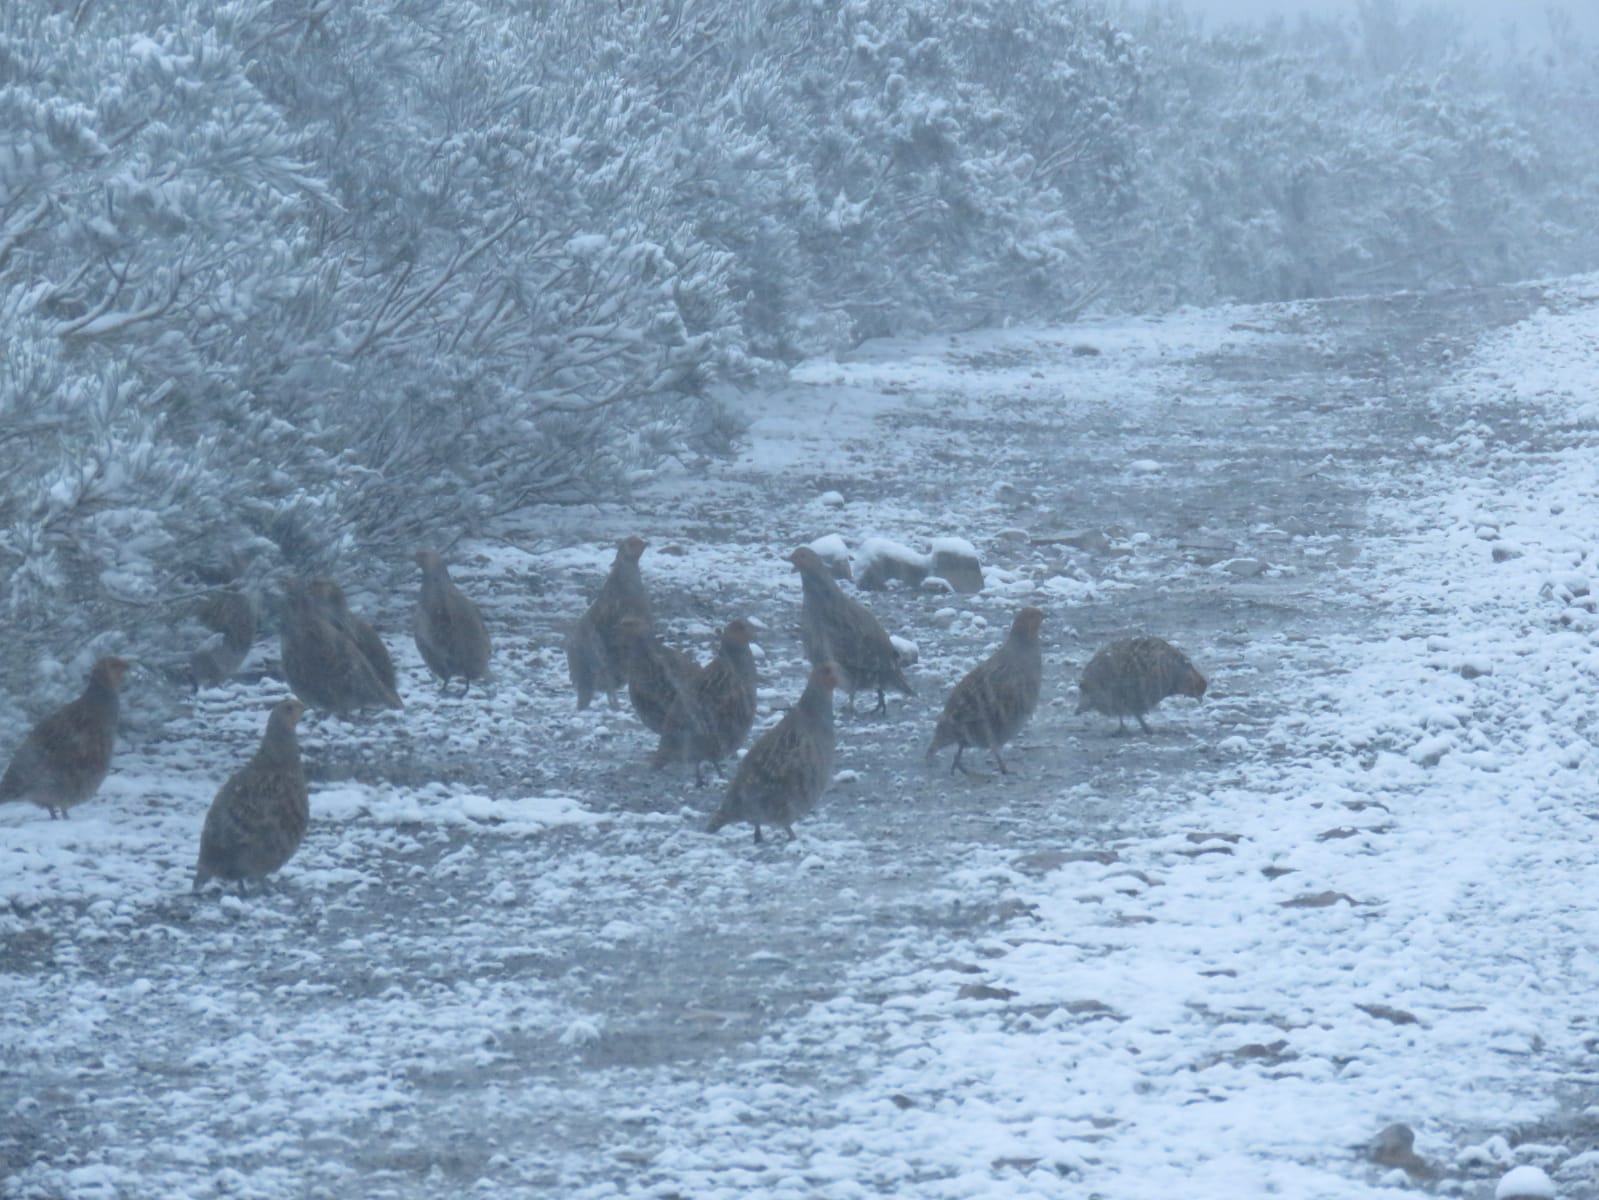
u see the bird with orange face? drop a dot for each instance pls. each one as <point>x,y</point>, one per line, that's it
<point>65,758</point>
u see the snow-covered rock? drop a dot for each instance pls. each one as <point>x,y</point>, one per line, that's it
<point>834,551</point>
<point>955,559</point>
<point>1525,1183</point>
<point>880,562</point>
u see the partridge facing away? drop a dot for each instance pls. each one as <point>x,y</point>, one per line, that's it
<point>359,630</point>
<point>789,766</point>
<point>258,818</point>
<point>994,700</point>
<point>711,719</point>
<point>593,645</point>
<point>657,674</point>
<point>63,761</point>
<point>450,633</point>
<point>323,664</point>
<point>842,631</point>
<point>231,615</point>
<point>1128,678</point>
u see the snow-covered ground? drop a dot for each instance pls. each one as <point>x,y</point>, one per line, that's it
<point>1352,888</point>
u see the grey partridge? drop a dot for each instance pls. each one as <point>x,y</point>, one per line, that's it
<point>359,630</point>
<point>63,761</point>
<point>593,645</point>
<point>1128,678</point>
<point>836,629</point>
<point>712,717</point>
<point>258,818</point>
<point>657,674</point>
<point>232,618</point>
<point>996,698</point>
<point>789,766</point>
<point>322,663</point>
<point>450,634</point>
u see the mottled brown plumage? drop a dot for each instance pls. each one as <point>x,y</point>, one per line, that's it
<point>1128,678</point>
<point>450,633</point>
<point>842,631</point>
<point>63,761</point>
<point>995,699</point>
<point>593,645</point>
<point>789,766</point>
<point>362,632</point>
<point>713,716</point>
<point>323,664</point>
<point>657,674</point>
<point>231,615</point>
<point>258,818</point>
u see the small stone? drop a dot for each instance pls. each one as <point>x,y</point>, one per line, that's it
<point>1245,568</point>
<point>955,559</point>
<point>831,499</point>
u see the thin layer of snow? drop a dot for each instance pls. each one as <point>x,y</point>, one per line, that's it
<point>1375,906</point>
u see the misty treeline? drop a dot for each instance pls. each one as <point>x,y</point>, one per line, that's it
<point>297,284</point>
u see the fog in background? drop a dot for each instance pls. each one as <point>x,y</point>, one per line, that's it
<point>1496,22</point>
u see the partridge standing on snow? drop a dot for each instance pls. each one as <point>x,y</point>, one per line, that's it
<point>64,760</point>
<point>1128,678</point>
<point>657,674</point>
<point>322,663</point>
<point>842,631</point>
<point>359,630</point>
<point>995,699</point>
<point>593,647</point>
<point>258,818</point>
<point>232,616</point>
<point>450,634</point>
<point>711,719</point>
<point>789,766</point>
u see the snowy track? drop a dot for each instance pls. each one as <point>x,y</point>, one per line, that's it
<point>1353,887</point>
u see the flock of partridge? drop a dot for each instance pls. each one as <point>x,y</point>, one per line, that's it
<point>335,661</point>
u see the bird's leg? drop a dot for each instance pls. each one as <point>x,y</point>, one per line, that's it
<point>758,838</point>
<point>56,813</point>
<point>851,705</point>
<point>1121,727</point>
<point>957,765</point>
<point>1003,770</point>
<point>1143,724</point>
<point>243,891</point>
<point>882,704</point>
<point>467,681</point>
<point>791,834</point>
